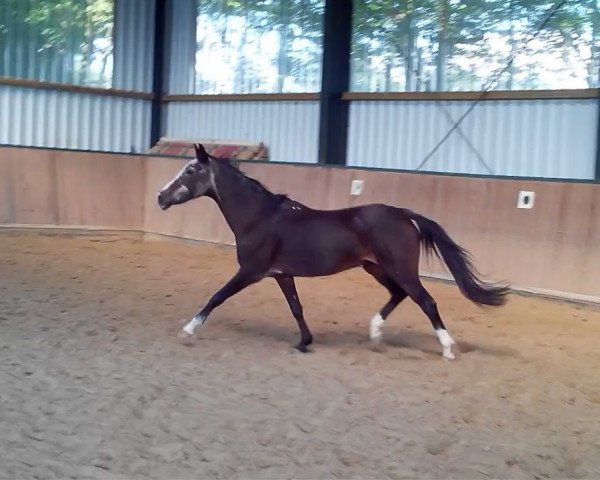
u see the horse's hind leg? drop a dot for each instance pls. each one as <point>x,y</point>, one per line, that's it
<point>421,297</point>
<point>288,287</point>
<point>397,252</point>
<point>397,295</point>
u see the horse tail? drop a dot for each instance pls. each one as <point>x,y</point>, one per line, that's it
<point>435,239</point>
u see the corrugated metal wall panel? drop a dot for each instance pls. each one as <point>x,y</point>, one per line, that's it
<point>530,138</point>
<point>133,49</point>
<point>84,121</point>
<point>73,120</point>
<point>31,49</point>
<point>289,129</point>
<point>181,51</point>
<point>134,44</point>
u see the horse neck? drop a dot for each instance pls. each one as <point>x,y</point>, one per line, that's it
<point>240,204</point>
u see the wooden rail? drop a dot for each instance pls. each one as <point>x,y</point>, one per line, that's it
<point>585,93</point>
<point>493,95</point>
<point>242,97</point>
<point>111,92</point>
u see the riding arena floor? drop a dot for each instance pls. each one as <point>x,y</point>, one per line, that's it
<point>94,384</point>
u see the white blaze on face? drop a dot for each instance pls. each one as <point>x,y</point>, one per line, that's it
<point>176,177</point>
<point>180,192</point>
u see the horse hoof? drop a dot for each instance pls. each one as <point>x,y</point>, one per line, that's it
<point>378,347</point>
<point>185,338</point>
<point>301,347</point>
<point>449,356</point>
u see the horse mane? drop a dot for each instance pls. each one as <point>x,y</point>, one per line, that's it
<point>252,183</point>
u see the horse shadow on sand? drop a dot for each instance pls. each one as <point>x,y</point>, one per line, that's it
<point>425,343</point>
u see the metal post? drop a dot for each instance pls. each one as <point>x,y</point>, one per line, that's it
<point>158,70</point>
<point>333,125</point>
<point>597,172</point>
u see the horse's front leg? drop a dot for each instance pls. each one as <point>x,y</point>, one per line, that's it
<point>241,280</point>
<point>288,287</point>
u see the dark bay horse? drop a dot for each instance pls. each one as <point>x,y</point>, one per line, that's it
<point>280,238</point>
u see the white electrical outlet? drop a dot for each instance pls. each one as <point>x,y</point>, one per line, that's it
<point>357,187</point>
<point>525,199</point>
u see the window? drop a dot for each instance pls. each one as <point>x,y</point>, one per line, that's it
<point>458,45</point>
<point>259,46</point>
<point>66,41</point>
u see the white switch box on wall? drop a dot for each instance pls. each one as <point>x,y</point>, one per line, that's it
<point>357,187</point>
<point>525,199</point>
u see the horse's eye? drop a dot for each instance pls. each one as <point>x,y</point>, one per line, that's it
<point>189,171</point>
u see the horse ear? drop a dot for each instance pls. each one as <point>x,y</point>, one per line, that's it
<point>201,154</point>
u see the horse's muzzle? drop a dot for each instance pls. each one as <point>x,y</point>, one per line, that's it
<point>162,202</point>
